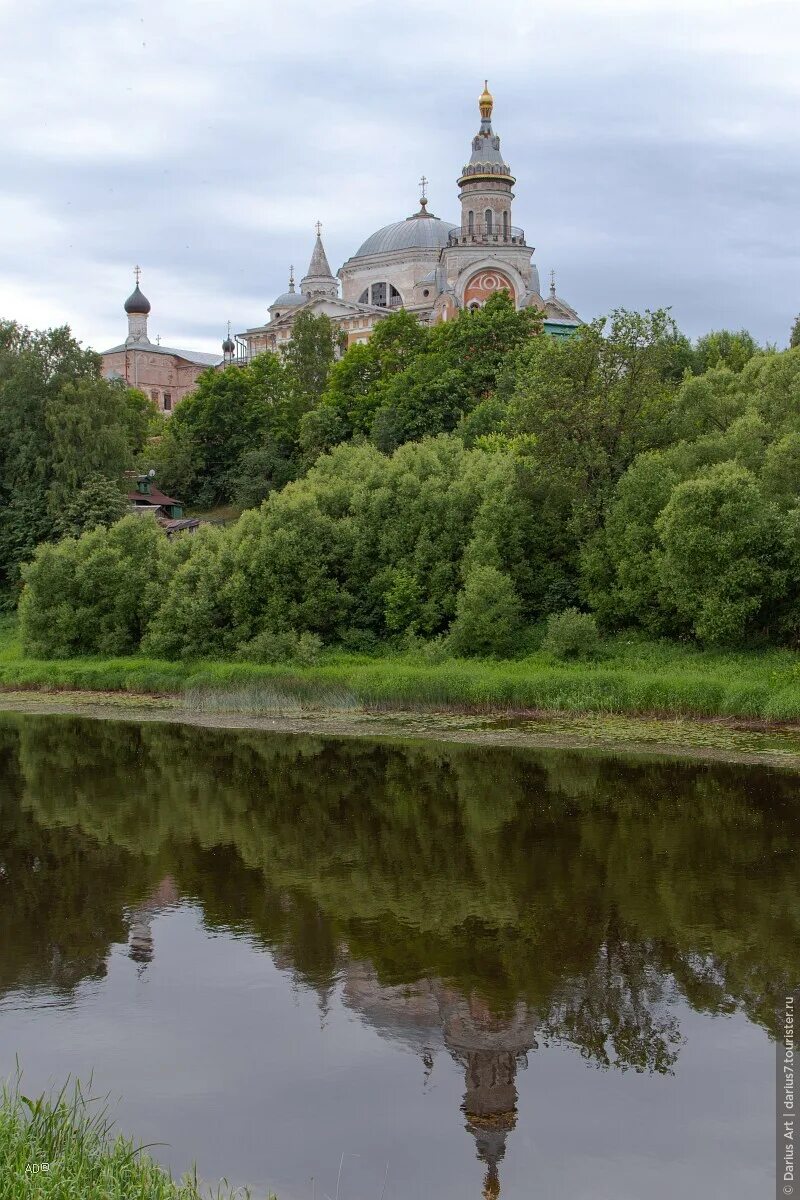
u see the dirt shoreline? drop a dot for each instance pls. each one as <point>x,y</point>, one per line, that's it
<point>716,739</point>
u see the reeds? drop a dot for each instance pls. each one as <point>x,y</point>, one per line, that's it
<point>633,676</point>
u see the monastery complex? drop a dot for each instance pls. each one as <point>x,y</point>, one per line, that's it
<point>432,267</point>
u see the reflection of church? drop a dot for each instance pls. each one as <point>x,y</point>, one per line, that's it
<point>429,266</point>
<point>428,1016</point>
<point>140,920</point>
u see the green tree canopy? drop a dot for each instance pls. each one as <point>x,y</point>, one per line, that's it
<point>60,423</point>
<point>724,348</point>
<point>592,402</point>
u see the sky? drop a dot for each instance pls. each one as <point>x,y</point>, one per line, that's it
<point>656,147</point>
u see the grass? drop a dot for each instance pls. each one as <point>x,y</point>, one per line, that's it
<point>633,676</point>
<point>223,514</point>
<point>61,1147</point>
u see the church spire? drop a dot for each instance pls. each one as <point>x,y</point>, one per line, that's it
<point>486,104</point>
<point>486,182</point>
<point>319,278</point>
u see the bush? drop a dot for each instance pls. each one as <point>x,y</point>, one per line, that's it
<point>724,562</point>
<point>435,650</point>
<point>94,594</point>
<point>269,647</point>
<point>571,634</point>
<point>488,615</point>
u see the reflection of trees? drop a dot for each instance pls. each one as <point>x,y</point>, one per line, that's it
<point>61,897</point>
<point>587,888</point>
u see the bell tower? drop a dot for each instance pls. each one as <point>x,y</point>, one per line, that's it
<point>485,185</point>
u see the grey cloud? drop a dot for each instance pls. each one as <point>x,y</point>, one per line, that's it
<point>654,149</point>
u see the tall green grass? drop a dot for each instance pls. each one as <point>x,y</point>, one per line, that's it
<point>61,1147</point>
<point>632,676</point>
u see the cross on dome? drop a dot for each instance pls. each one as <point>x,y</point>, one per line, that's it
<point>137,273</point>
<point>318,228</point>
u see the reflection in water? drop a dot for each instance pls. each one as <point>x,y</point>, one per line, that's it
<point>140,929</point>
<point>469,902</point>
<point>429,1015</point>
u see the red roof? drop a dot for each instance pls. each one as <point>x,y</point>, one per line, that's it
<point>154,497</point>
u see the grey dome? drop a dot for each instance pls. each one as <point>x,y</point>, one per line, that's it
<point>288,298</point>
<point>423,232</point>
<point>137,302</point>
<point>228,346</point>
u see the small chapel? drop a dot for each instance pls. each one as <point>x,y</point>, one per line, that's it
<point>430,266</point>
<point>164,373</point>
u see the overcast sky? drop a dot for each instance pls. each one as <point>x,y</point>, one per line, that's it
<point>655,146</point>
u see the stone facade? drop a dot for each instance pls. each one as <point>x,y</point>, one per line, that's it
<point>163,373</point>
<point>432,267</point>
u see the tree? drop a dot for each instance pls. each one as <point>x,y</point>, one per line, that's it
<point>237,436</point>
<point>724,348</point>
<point>94,594</point>
<point>593,402</point>
<point>230,412</point>
<point>98,501</point>
<point>794,336</point>
<point>621,563</point>
<point>724,558</point>
<point>259,472</point>
<point>357,382</point>
<point>315,344</point>
<point>59,423</point>
<point>488,615</point>
<point>141,416</point>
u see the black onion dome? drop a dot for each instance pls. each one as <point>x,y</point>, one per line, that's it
<point>137,302</point>
<point>227,346</point>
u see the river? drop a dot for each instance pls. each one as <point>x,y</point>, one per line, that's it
<point>403,969</point>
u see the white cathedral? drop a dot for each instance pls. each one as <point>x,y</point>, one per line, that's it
<point>428,266</point>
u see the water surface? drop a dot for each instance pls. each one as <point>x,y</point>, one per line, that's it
<point>469,971</point>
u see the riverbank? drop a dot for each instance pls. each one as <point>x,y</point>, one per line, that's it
<point>59,1147</point>
<point>710,738</point>
<point>633,677</point>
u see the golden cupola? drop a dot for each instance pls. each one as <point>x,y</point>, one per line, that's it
<point>486,102</point>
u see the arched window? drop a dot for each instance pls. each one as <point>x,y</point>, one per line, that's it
<point>505,224</point>
<point>487,216</point>
<point>470,222</point>
<point>382,295</point>
<point>364,297</point>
